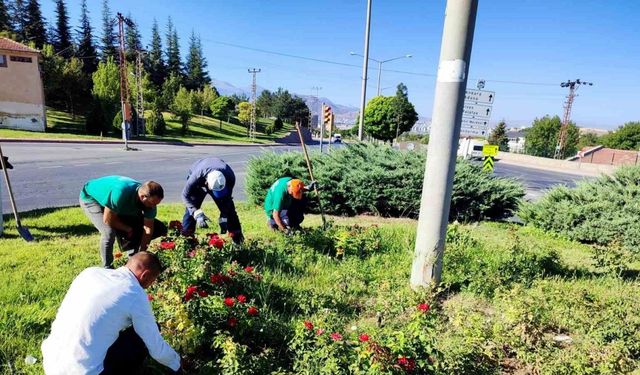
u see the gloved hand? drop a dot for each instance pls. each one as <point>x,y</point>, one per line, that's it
<point>312,185</point>
<point>288,232</point>
<point>223,225</point>
<point>236,237</point>
<point>202,221</point>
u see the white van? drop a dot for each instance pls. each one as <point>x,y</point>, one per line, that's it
<point>471,148</point>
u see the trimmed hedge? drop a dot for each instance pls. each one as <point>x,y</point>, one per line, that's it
<point>370,179</point>
<point>602,212</point>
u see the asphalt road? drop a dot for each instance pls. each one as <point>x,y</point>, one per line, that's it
<point>52,174</point>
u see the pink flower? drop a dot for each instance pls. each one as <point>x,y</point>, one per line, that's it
<point>167,245</point>
<point>191,254</point>
<point>308,325</point>
<point>424,307</point>
<point>335,336</point>
<point>232,322</point>
<point>253,311</point>
<point>363,337</point>
<point>229,301</point>
<point>231,272</point>
<point>242,298</point>
<point>248,269</point>
<point>319,331</point>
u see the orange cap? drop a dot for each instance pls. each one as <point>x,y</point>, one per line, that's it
<point>296,188</point>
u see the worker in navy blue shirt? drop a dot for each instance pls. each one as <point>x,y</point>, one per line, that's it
<point>214,177</point>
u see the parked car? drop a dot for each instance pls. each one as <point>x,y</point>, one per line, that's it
<point>337,138</point>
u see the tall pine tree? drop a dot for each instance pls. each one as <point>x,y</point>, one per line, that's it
<point>174,65</point>
<point>109,40</point>
<point>5,21</point>
<point>499,137</point>
<point>86,48</point>
<point>155,61</point>
<point>195,67</point>
<point>34,28</point>
<point>18,16</point>
<point>62,35</point>
<point>406,115</point>
<point>132,39</point>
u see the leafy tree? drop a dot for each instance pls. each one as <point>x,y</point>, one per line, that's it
<point>106,90</point>
<point>132,40</point>
<point>174,65</point>
<point>86,48</point>
<point>155,63</point>
<point>5,21</point>
<point>381,118</point>
<point>406,115</point>
<point>244,112</point>
<point>626,137</point>
<point>169,89</point>
<point>34,28</point>
<point>109,48</point>
<point>222,107</point>
<point>155,123</point>
<point>588,139</point>
<point>208,94</point>
<point>62,34</point>
<point>196,66</point>
<point>542,137</point>
<point>264,103</point>
<point>499,137</point>
<point>182,107</point>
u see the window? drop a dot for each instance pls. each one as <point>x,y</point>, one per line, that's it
<point>3,61</point>
<point>21,59</point>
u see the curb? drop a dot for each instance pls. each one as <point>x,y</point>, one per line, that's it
<point>138,142</point>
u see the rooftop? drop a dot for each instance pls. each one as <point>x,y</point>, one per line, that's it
<point>11,45</point>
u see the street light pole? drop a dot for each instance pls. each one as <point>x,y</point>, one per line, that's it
<point>380,62</point>
<point>379,75</point>
<point>365,66</point>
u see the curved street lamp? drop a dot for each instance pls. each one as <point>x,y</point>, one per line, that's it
<point>380,62</point>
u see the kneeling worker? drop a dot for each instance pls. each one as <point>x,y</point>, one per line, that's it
<point>214,177</point>
<point>105,324</point>
<point>123,208</point>
<point>284,204</point>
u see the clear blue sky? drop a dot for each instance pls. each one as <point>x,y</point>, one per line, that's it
<point>524,49</point>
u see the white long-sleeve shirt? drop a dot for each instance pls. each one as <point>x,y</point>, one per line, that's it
<point>99,304</point>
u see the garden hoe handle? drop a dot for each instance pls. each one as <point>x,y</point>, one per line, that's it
<point>315,188</point>
<point>6,178</point>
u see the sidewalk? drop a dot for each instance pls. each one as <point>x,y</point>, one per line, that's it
<point>142,142</point>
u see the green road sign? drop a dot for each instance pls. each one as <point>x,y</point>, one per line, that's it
<point>487,165</point>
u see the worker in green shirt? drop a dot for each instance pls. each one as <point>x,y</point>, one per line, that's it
<point>123,208</point>
<point>284,204</point>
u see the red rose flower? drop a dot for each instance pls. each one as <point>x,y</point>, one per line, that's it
<point>167,245</point>
<point>248,269</point>
<point>407,364</point>
<point>424,307</point>
<point>319,331</point>
<point>203,293</point>
<point>190,291</point>
<point>229,301</point>
<point>336,336</point>
<point>232,322</point>
<point>149,297</point>
<point>117,255</point>
<point>308,325</point>
<point>253,311</point>
<point>363,337</point>
<point>175,224</point>
<point>242,298</point>
<point>216,241</point>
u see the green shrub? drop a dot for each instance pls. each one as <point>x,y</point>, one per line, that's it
<point>369,179</point>
<point>155,123</point>
<point>117,121</point>
<point>600,212</point>
<point>278,124</point>
<point>96,121</point>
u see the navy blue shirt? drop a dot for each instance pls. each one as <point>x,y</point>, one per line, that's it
<point>197,183</point>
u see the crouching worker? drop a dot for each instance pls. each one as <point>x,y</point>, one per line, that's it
<point>105,324</point>
<point>214,177</point>
<point>285,204</point>
<point>124,209</point>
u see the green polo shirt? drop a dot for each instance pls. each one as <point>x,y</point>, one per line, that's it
<point>278,198</point>
<point>119,194</point>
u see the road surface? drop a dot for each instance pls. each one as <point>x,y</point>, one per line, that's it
<point>52,174</point>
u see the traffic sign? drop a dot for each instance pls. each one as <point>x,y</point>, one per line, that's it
<point>480,96</point>
<point>471,132</point>
<point>479,111</point>
<point>487,165</point>
<point>490,150</point>
<point>475,123</point>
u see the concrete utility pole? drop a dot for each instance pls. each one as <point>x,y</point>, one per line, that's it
<point>252,125</point>
<point>318,103</point>
<point>140,97</point>
<point>562,136</point>
<point>455,52</point>
<point>365,66</point>
<point>124,82</point>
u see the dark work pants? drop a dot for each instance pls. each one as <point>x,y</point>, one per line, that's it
<point>291,217</point>
<point>95,212</point>
<point>126,355</point>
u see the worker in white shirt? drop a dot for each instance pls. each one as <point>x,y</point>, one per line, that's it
<point>105,324</point>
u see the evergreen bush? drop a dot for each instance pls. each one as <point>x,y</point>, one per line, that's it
<point>155,123</point>
<point>370,179</point>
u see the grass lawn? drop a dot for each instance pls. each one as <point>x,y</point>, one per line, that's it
<point>507,331</point>
<point>61,125</point>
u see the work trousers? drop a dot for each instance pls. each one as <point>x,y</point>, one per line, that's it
<point>94,211</point>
